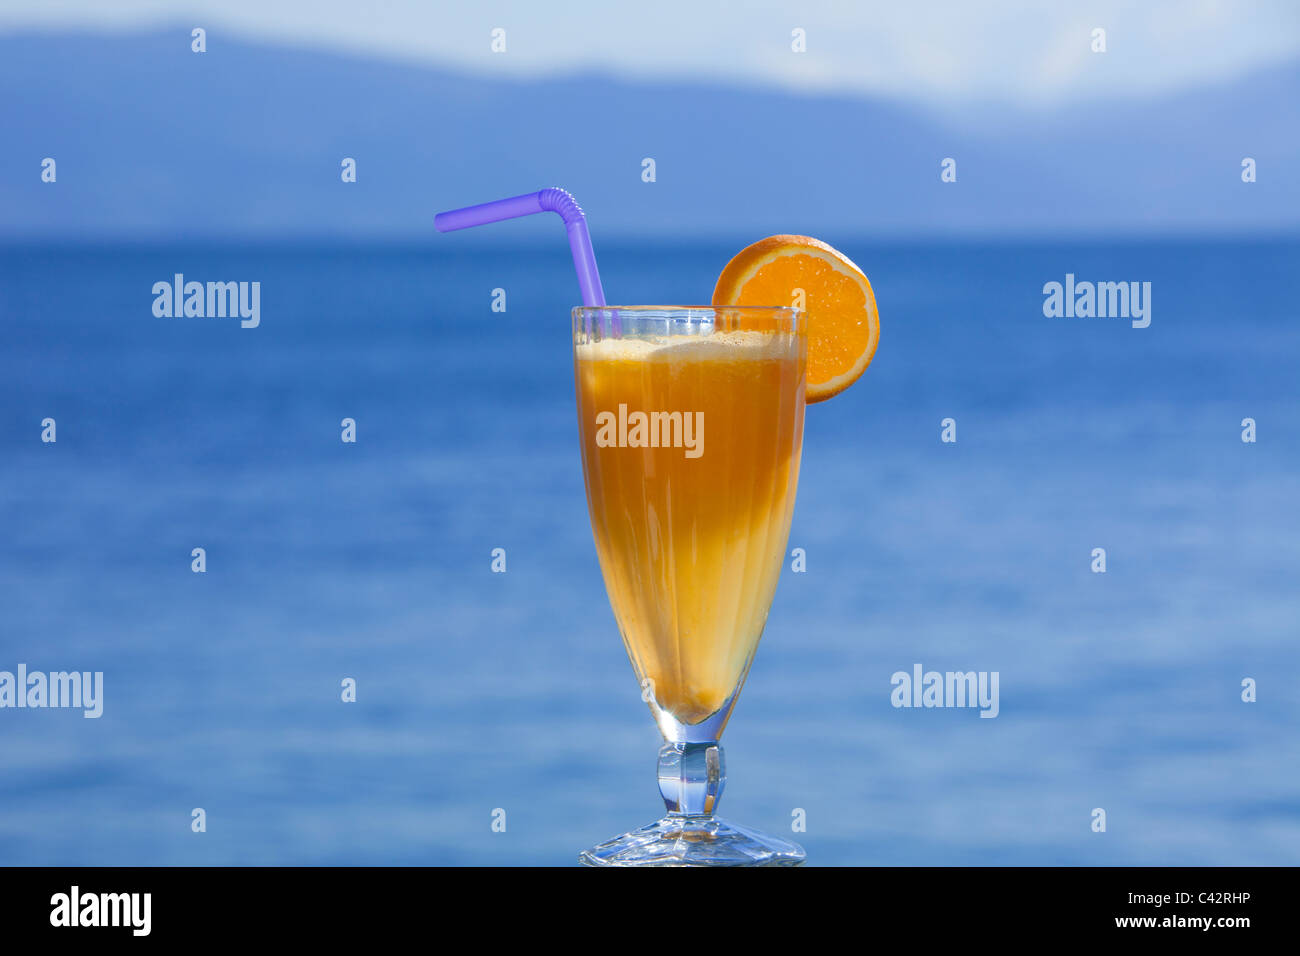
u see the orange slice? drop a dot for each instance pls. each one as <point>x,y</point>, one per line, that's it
<point>843,325</point>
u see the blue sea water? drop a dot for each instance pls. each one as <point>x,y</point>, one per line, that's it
<point>480,691</point>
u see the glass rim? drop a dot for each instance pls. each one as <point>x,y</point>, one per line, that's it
<point>584,309</point>
<point>783,319</point>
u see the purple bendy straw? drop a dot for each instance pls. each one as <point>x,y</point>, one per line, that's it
<point>547,200</point>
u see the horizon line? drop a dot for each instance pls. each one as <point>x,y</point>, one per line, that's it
<point>658,239</point>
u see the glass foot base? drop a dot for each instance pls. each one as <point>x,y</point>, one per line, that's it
<point>693,841</point>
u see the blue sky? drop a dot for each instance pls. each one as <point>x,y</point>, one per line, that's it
<point>1032,54</point>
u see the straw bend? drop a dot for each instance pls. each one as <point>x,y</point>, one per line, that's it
<point>561,201</point>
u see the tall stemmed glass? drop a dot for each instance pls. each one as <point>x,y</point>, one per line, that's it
<point>691,421</point>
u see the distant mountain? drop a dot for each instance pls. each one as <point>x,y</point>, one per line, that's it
<point>246,140</point>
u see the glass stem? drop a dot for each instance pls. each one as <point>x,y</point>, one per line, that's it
<point>691,777</point>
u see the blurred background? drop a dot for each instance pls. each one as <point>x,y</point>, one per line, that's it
<point>479,691</point>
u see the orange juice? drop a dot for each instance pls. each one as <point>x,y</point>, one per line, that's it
<point>691,500</point>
